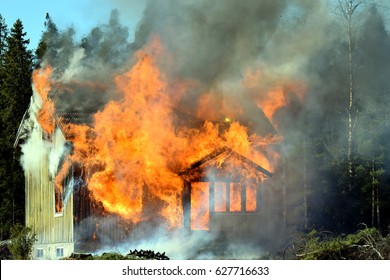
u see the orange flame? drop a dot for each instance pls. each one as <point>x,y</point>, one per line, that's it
<point>42,84</point>
<point>200,213</point>
<point>133,152</point>
<point>251,193</point>
<point>220,197</point>
<point>235,197</point>
<point>274,96</point>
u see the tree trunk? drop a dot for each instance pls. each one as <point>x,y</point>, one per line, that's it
<point>304,183</point>
<point>284,194</point>
<point>373,200</point>
<point>351,97</point>
<point>347,9</point>
<point>378,220</point>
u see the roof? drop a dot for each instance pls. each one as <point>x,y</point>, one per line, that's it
<point>198,166</point>
<point>77,102</point>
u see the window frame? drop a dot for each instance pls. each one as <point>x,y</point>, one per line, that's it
<point>59,251</point>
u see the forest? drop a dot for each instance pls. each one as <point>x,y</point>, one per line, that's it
<point>334,168</point>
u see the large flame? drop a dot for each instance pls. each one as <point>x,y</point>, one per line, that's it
<point>272,98</point>
<point>42,85</point>
<point>133,152</point>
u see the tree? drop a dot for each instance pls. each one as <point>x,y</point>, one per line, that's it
<point>49,38</point>
<point>15,94</point>
<point>3,41</point>
<point>372,129</point>
<point>348,9</point>
<point>22,241</point>
<point>349,137</point>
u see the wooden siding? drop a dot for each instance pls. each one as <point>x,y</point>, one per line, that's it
<point>40,207</point>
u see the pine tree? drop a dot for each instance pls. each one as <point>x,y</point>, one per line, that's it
<point>49,38</point>
<point>3,41</point>
<point>15,96</point>
<point>3,48</point>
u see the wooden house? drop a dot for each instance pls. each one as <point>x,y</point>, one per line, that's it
<point>220,194</point>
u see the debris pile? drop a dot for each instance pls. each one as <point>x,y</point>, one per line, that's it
<point>148,254</point>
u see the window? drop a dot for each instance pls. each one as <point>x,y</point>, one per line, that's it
<point>59,252</point>
<point>200,213</point>
<point>251,196</point>
<point>39,252</point>
<point>61,189</point>
<point>235,197</point>
<point>58,199</point>
<point>220,196</point>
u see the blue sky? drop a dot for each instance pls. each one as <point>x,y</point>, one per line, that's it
<point>81,14</point>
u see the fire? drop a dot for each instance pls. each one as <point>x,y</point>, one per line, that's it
<point>133,139</point>
<point>42,85</point>
<point>251,191</point>
<point>274,100</point>
<point>273,97</point>
<point>200,212</point>
<point>133,152</point>
<point>220,197</point>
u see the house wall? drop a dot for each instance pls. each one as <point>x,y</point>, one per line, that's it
<point>52,230</point>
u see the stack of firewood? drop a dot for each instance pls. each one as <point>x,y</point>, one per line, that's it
<point>148,254</point>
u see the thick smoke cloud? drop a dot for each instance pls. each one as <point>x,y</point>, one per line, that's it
<point>208,42</point>
<point>214,45</point>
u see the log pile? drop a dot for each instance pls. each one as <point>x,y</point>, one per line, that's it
<point>132,255</point>
<point>148,255</point>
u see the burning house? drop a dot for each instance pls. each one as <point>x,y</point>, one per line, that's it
<point>220,181</point>
<point>114,152</point>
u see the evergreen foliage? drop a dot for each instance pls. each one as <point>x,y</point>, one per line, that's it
<point>365,244</point>
<point>338,201</point>
<point>22,241</point>
<point>15,94</point>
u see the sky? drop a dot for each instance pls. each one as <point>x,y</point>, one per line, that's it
<point>80,14</point>
<point>85,14</point>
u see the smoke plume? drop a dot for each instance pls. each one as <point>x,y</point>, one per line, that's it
<point>244,61</point>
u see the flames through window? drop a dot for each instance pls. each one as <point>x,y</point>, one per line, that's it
<point>221,197</point>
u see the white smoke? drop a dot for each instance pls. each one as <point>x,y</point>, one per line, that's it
<point>34,150</point>
<point>40,152</point>
<point>57,151</point>
<point>75,68</point>
<point>177,244</point>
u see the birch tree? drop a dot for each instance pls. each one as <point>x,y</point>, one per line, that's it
<point>348,9</point>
